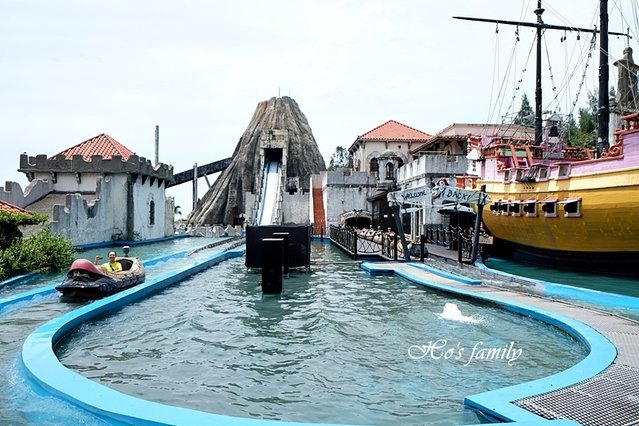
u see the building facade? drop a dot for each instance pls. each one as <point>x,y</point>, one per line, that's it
<point>99,191</point>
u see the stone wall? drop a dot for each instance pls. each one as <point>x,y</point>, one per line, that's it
<point>295,208</point>
<point>346,190</point>
<point>109,217</point>
<point>36,190</point>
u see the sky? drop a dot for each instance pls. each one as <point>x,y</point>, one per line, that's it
<point>72,69</point>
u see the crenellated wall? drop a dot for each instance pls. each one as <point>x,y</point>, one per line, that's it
<point>110,218</point>
<point>42,167</point>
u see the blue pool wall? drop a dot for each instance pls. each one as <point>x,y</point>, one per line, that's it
<point>45,370</point>
<point>498,403</point>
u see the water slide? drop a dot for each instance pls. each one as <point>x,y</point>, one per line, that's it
<point>270,192</point>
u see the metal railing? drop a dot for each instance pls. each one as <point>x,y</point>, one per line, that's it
<point>451,237</point>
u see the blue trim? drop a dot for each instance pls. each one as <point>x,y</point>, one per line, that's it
<point>585,295</point>
<point>19,279</point>
<point>497,403</point>
<point>45,290</point>
<point>129,243</point>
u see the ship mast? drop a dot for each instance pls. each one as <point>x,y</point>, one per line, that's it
<point>603,111</point>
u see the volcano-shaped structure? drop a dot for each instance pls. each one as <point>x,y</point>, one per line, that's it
<point>278,131</point>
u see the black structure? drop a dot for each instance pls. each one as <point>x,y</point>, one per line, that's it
<point>284,237</point>
<point>298,250</point>
<point>272,261</point>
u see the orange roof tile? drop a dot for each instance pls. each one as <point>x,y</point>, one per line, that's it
<point>395,131</point>
<point>8,207</point>
<point>101,144</point>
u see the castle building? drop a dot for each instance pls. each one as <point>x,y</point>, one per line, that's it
<point>99,191</point>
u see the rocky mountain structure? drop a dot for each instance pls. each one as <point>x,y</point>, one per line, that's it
<point>279,132</point>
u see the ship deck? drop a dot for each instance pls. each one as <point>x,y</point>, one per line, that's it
<point>609,397</point>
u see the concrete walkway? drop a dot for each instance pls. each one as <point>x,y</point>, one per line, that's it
<point>609,397</point>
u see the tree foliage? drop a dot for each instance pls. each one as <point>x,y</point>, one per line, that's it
<point>525,116</point>
<point>585,134</point>
<point>10,223</point>
<point>341,158</point>
<point>41,252</point>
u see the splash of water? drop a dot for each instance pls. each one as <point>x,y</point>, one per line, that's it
<point>452,312</point>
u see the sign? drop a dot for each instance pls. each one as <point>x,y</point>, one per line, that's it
<point>440,193</point>
<point>486,239</point>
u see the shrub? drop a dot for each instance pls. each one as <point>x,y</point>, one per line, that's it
<point>41,252</point>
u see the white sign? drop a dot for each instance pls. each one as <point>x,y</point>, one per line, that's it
<point>441,193</point>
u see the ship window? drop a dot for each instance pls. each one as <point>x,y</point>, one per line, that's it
<point>549,208</point>
<point>572,207</point>
<point>530,208</point>
<point>515,208</point>
<point>507,176</point>
<point>521,173</point>
<point>564,170</point>
<point>543,173</point>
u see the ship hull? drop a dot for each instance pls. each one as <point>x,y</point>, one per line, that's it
<point>575,214</point>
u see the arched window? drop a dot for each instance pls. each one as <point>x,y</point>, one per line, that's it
<point>390,171</point>
<point>373,165</point>
<point>152,213</point>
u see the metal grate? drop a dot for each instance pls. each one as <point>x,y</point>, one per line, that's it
<point>610,398</point>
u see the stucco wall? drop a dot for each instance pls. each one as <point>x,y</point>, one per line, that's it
<point>37,189</point>
<point>295,208</point>
<point>344,191</point>
<point>145,193</point>
<point>107,218</point>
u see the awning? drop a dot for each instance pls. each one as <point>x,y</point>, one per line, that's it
<point>569,200</point>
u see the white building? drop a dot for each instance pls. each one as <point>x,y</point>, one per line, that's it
<point>99,191</point>
<point>444,158</point>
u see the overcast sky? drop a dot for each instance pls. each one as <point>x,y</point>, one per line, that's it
<point>72,69</point>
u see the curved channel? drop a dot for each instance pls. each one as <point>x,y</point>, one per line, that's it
<point>44,367</point>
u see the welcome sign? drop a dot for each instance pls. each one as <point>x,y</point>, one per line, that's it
<point>441,193</point>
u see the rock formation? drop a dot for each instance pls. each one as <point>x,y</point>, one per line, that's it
<point>278,123</point>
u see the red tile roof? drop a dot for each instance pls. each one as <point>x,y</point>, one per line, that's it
<point>395,131</point>
<point>102,144</point>
<point>8,207</point>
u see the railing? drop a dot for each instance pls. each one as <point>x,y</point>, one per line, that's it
<point>451,237</point>
<point>367,242</point>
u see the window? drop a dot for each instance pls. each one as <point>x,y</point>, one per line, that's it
<point>373,165</point>
<point>544,172</point>
<point>572,207</point>
<point>507,176</point>
<point>152,213</point>
<point>549,207</point>
<point>390,171</point>
<point>530,208</point>
<point>564,171</point>
<point>515,208</point>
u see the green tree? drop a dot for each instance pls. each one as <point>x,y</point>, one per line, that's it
<point>41,252</point>
<point>525,116</point>
<point>341,158</point>
<point>587,133</point>
<point>10,223</point>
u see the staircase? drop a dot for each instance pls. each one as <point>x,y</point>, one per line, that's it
<point>319,221</point>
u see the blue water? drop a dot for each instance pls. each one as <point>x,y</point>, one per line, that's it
<point>22,403</point>
<point>605,283</point>
<point>337,346</point>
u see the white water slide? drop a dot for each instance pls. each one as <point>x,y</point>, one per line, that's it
<point>270,191</point>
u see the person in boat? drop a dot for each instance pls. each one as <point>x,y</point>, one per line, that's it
<point>112,265</point>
